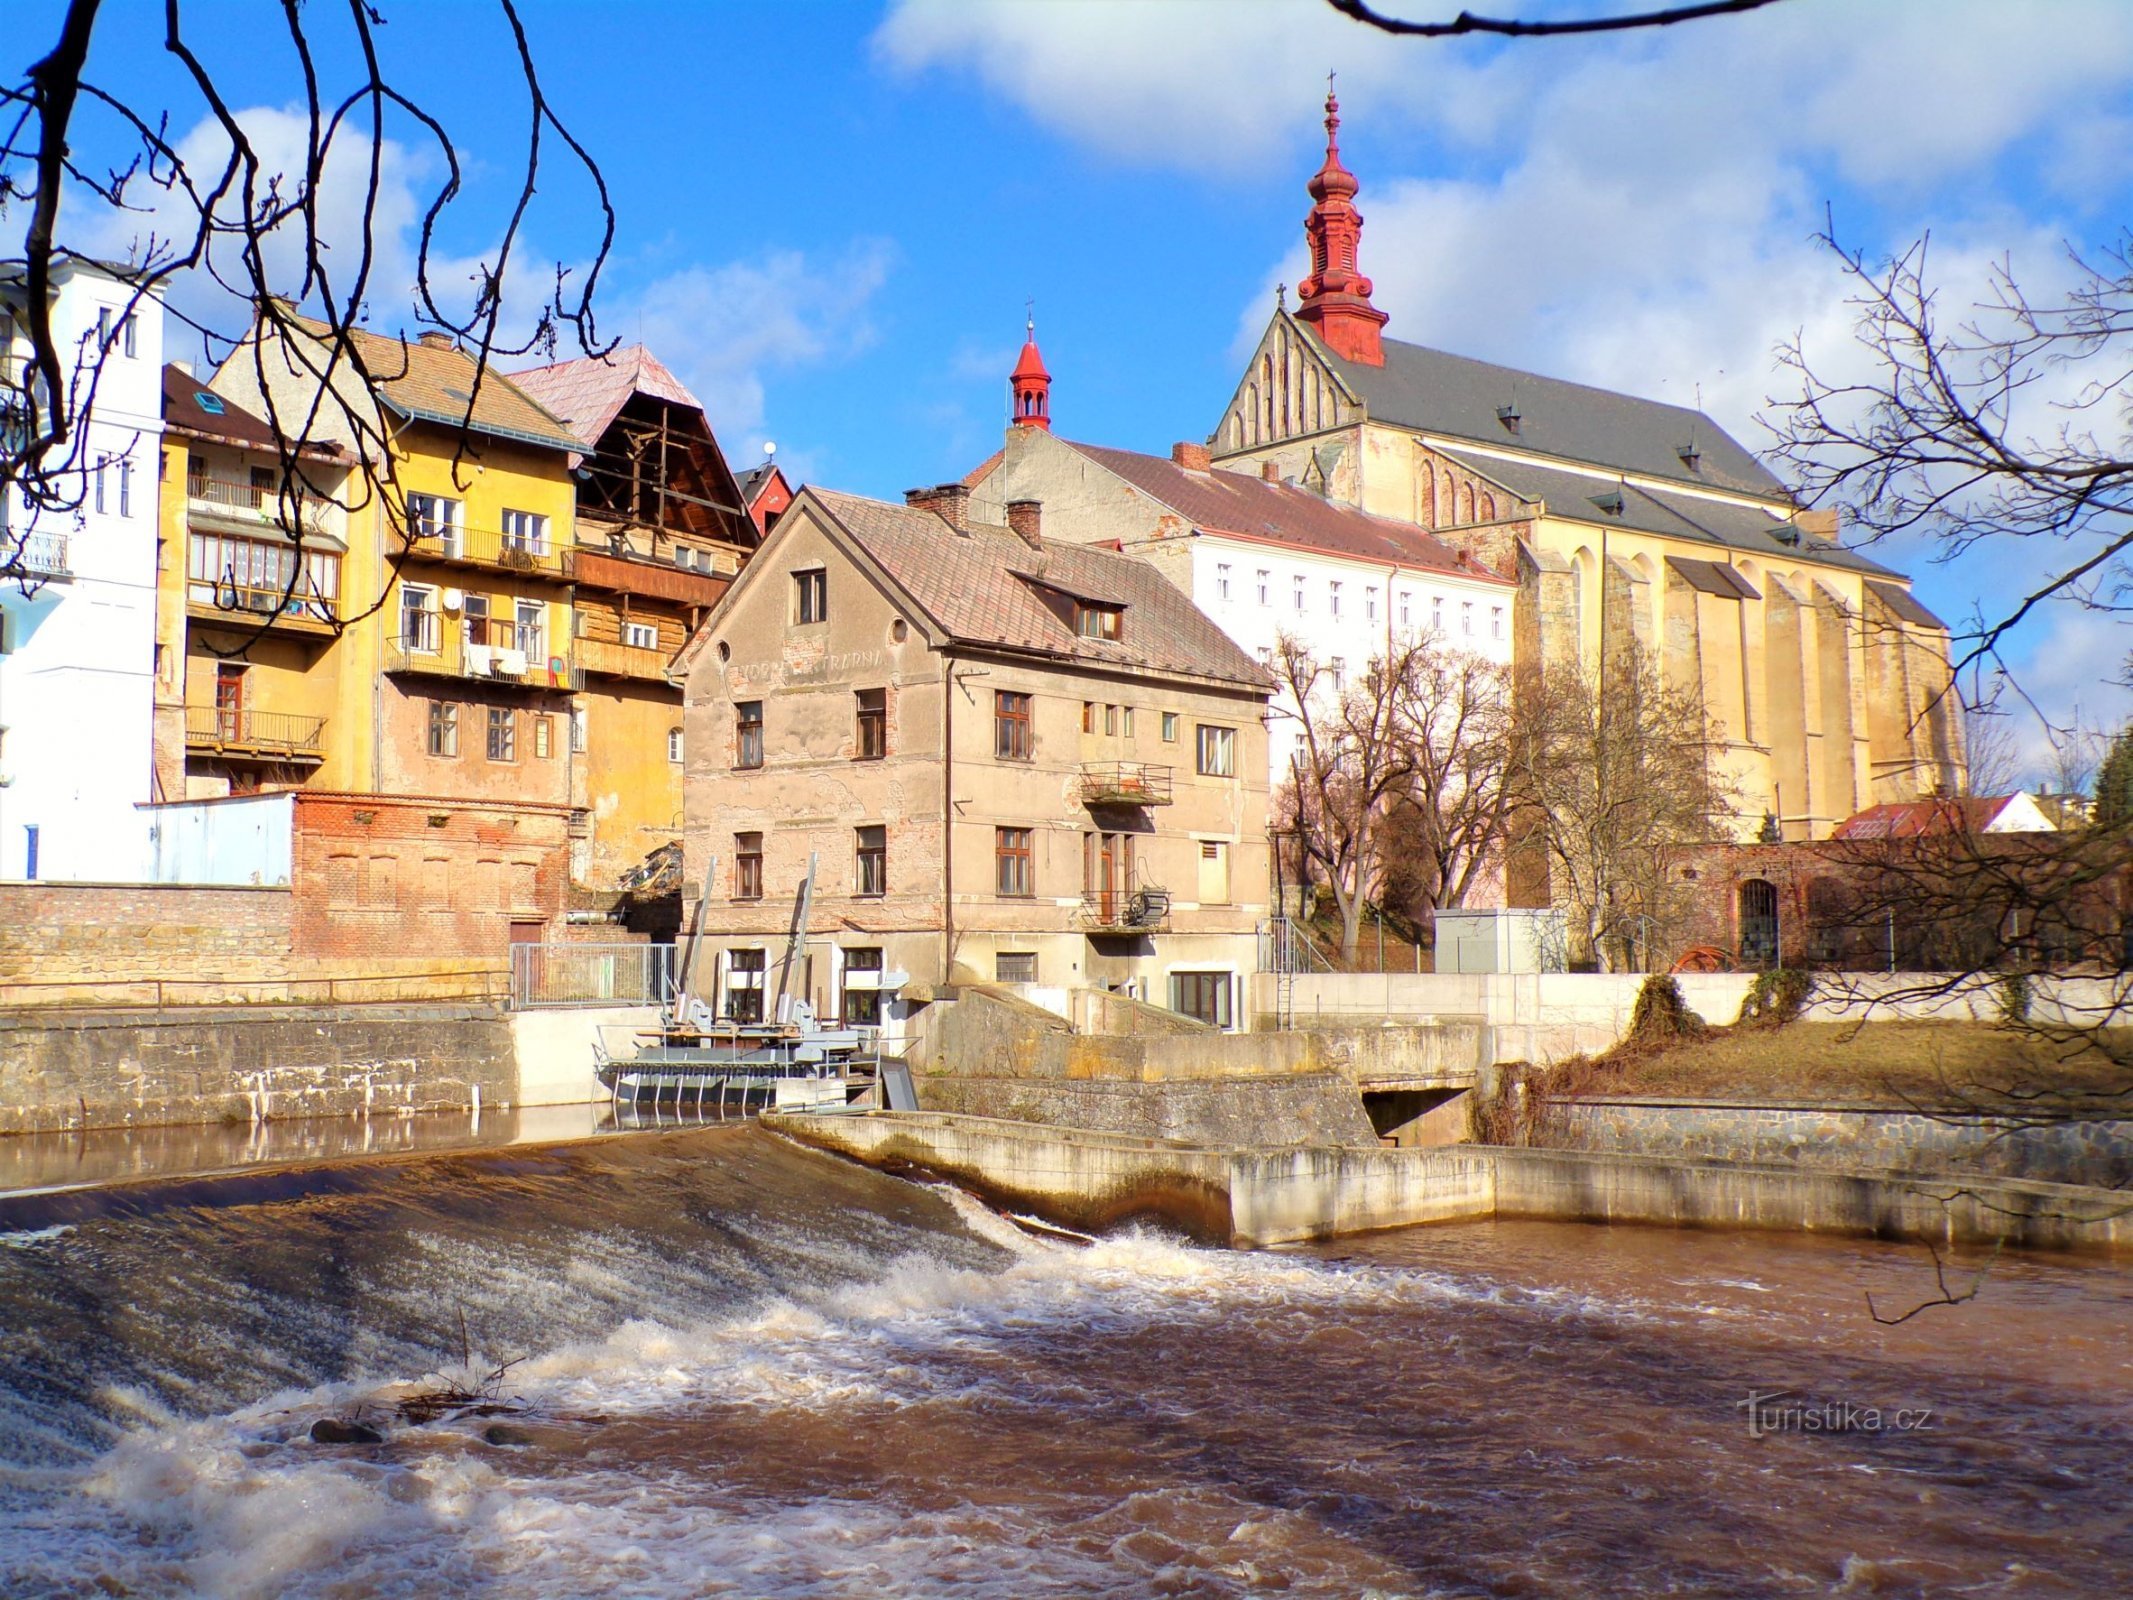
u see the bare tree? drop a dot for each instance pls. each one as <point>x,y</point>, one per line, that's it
<point>1352,756</point>
<point>1445,833</point>
<point>287,250</point>
<point>1613,784</point>
<point>1466,23</point>
<point>1991,754</point>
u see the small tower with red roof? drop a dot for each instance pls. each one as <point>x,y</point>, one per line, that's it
<point>1031,385</point>
<point>1335,298</point>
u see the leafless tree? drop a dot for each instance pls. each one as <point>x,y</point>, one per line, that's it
<point>242,241</point>
<point>1612,786</point>
<point>1445,833</point>
<point>1352,756</point>
<point>1466,23</point>
<point>1991,753</point>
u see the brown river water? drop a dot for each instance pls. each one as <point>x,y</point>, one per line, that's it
<point>750,1370</point>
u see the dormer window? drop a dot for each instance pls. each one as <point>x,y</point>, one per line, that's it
<point>1509,417</point>
<point>1093,621</point>
<point>1690,455</point>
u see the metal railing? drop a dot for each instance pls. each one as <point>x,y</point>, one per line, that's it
<point>1285,947</point>
<point>39,555</point>
<point>547,976</point>
<point>239,728</point>
<point>1124,783</point>
<point>488,663</point>
<point>1126,911</point>
<point>264,501</point>
<point>492,547</point>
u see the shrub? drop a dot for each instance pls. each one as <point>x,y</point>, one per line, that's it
<point>1662,1016</point>
<point>1775,998</point>
<point>2014,997</point>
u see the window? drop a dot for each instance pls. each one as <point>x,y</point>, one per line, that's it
<point>748,866</point>
<point>1125,721</point>
<point>1406,617</point>
<point>1088,716</point>
<point>1495,622</point>
<point>1217,751</point>
<point>230,573</point>
<point>418,618</point>
<point>577,730</point>
<point>1015,966</point>
<point>474,622</point>
<point>1339,669</point>
<point>1466,616</point>
<point>1370,604</point>
<point>430,516</point>
<point>810,595</point>
<point>526,532</point>
<point>748,733</point>
<point>99,477</point>
<point>641,635</point>
<point>1436,612</point>
<point>1202,994</point>
<point>1096,622</point>
<point>862,988</point>
<point>1110,722</point>
<point>125,488</point>
<point>1265,653</point>
<point>1014,861</point>
<point>1214,872</point>
<point>674,745</point>
<point>531,634</point>
<point>744,985</point>
<point>103,326</point>
<point>870,865</point>
<point>1170,727</point>
<point>1333,597</point>
<point>126,335</point>
<point>1011,726</point>
<point>873,724</point>
<point>1222,581</point>
<point>1263,586</point>
<point>1298,588</point>
<point>503,734</point>
<point>543,738</point>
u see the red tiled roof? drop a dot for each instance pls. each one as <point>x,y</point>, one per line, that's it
<point>985,588</point>
<point>1249,507</point>
<point>1916,819</point>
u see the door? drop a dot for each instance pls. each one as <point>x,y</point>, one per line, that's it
<point>229,704</point>
<point>1758,923</point>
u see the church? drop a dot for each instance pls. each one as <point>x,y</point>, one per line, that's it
<point>1620,521</point>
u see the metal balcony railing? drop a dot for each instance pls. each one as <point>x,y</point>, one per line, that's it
<point>1124,783</point>
<point>1126,911</point>
<point>249,502</point>
<point>511,664</point>
<point>546,556</point>
<point>263,735</point>
<point>554,975</point>
<point>37,555</point>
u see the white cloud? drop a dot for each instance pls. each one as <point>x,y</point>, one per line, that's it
<point>723,329</point>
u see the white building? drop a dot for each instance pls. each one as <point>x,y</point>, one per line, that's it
<point>1259,556</point>
<point>78,595</point>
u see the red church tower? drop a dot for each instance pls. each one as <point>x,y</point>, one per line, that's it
<point>1336,297</point>
<point>1031,386</point>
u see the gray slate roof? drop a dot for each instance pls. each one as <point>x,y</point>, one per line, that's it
<point>1438,392</point>
<point>986,588</point>
<point>1677,516</point>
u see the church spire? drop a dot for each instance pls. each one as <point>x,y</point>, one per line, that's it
<point>1030,384</point>
<point>1335,298</point>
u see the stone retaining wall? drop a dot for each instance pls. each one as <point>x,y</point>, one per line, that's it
<point>1876,1138</point>
<point>143,1068</point>
<point>1320,1108</point>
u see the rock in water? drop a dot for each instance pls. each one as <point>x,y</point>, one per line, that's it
<point>331,1430</point>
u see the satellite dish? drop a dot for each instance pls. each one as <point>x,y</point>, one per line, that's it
<point>770,448</point>
<point>452,599</point>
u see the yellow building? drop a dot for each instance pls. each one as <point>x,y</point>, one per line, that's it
<point>1622,520</point>
<point>452,670</point>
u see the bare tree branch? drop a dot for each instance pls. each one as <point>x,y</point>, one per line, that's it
<point>1467,23</point>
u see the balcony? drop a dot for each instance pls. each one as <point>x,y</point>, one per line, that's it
<point>41,557</point>
<point>599,569</point>
<point>609,659</point>
<point>233,605</point>
<point>237,733</point>
<point>251,505</point>
<point>1125,913</point>
<point>496,551</point>
<point>512,666</point>
<point>1124,783</point>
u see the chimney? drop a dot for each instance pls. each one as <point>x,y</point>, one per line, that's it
<point>1192,457</point>
<point>948,501</point>
<point>1026,517</point>
<point>1269,472</point>
<point>438,340</point>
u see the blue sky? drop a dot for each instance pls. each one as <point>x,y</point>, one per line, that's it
<point>830,215</point>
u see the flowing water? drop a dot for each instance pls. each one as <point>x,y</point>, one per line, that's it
<point>753,1371</point>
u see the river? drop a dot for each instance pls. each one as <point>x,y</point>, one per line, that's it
<point>752,1370</point>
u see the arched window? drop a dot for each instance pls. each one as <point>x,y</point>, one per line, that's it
<point>1488,508</point>
<point>1758,923</point>
<point>1466,502</point>
<point>1266,386</point>
<point>1447,501</point>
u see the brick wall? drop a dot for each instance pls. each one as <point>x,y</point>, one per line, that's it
<point>378,877</point>
<point>54,933</point>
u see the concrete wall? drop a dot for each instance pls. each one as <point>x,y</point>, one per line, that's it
<point>1852,1137</point>
<point>554,1050</point>
<point>144,1068</point>
<point>1261,1197</point>
<point>1315,1109</point>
